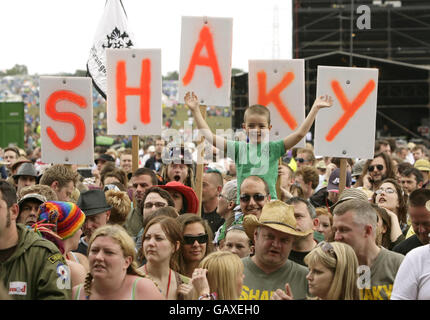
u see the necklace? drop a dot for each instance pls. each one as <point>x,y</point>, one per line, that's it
<point>168,283</point>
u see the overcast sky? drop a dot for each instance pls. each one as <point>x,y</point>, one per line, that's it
<point>52,36</point>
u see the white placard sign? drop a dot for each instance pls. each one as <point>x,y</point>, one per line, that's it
<point>205,59</point>
<point>347,129</point>
<point>134,91</point>
<point>66,120</point>
<point>280,86</point>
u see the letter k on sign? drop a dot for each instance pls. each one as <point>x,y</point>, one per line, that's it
<point>350,108</point>
<point>274,96</point>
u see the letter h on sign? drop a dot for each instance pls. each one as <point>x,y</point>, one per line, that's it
<point>134,91</point>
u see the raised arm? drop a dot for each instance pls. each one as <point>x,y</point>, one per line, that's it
<point>320,102</point>
<point>192,102</point>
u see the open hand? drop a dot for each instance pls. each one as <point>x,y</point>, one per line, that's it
<point>191,101</point>
<point>323,101</point>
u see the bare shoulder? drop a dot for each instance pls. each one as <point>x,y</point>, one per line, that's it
<point>83,260</point>
<point>77,271</point>
<point>147,290</point>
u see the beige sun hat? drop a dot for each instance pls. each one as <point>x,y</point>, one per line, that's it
<point>276,215</point>
<point>351,193</point>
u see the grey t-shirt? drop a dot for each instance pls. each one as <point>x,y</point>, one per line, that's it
<point>382,274</point>
<point>259,285</point>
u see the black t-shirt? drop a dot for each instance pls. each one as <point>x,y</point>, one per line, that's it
<point>214,220</point>
<point>83,247</point>
<point>407,245</point>
<point>298,257</point>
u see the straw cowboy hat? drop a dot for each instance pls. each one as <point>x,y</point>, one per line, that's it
<point>276,215</point>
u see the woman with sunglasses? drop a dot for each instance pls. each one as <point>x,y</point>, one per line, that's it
<point>161,241</point>
<point>391,197</point>
<point>375,170</point>
<point>332,273</point>
<point>197,242</point>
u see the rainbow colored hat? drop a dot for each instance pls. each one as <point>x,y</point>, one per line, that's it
<point>70,217</point>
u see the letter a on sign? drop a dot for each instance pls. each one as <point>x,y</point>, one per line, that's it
<point>66,118</point>
<point>347,129</point>
<point>205,63</point>
<point>134,91</point>
<point>279,85</point>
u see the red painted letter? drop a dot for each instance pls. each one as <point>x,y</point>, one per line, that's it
<point>273,96</point>
<point>71,117</point>
<point>211,61</point>
<point>144,91</point>
<point>350,108</point>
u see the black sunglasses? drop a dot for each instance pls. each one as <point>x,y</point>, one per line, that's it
<point>200,239</point>
<point>257,197</point>
<point>380,167</point>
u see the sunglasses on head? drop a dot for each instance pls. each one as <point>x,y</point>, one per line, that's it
<point>200,239</point>
<point>110,187</point>
<point>380,167</point>
<point>257,197</point>
<point>327,248</point>
<point>211,170</point>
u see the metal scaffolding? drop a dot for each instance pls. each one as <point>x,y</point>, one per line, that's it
<point>400,30</point>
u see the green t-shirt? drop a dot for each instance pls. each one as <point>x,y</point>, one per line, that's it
<point>256,160</point>
<point>258,285</point>
<point>382,274</point>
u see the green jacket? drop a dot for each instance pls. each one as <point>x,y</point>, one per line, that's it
<point>134,222</point>
<point>36,270</point>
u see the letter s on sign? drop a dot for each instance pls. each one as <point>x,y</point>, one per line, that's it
<point>70,117</point>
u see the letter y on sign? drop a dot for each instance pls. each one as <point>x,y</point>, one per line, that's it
<point>347,130</point>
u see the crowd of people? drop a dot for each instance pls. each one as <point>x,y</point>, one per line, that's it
<point>278,229</point>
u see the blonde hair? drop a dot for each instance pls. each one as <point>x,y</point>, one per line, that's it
<point>224,268</point>
<point>121,206</point>
<point>344,266</point>
<point>126,243</point>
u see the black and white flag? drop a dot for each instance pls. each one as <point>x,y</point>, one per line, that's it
<point>112,32</point>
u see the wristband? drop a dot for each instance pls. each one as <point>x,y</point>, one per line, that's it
<point>212,296</point>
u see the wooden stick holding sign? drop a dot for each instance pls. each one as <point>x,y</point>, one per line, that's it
<point>278,183</point>
<point>134,153</point>
<point>342,175</point>
<point>200,165</point>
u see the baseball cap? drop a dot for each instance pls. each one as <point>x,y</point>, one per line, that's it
<point>32,196</point>
<point>333,181</point>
